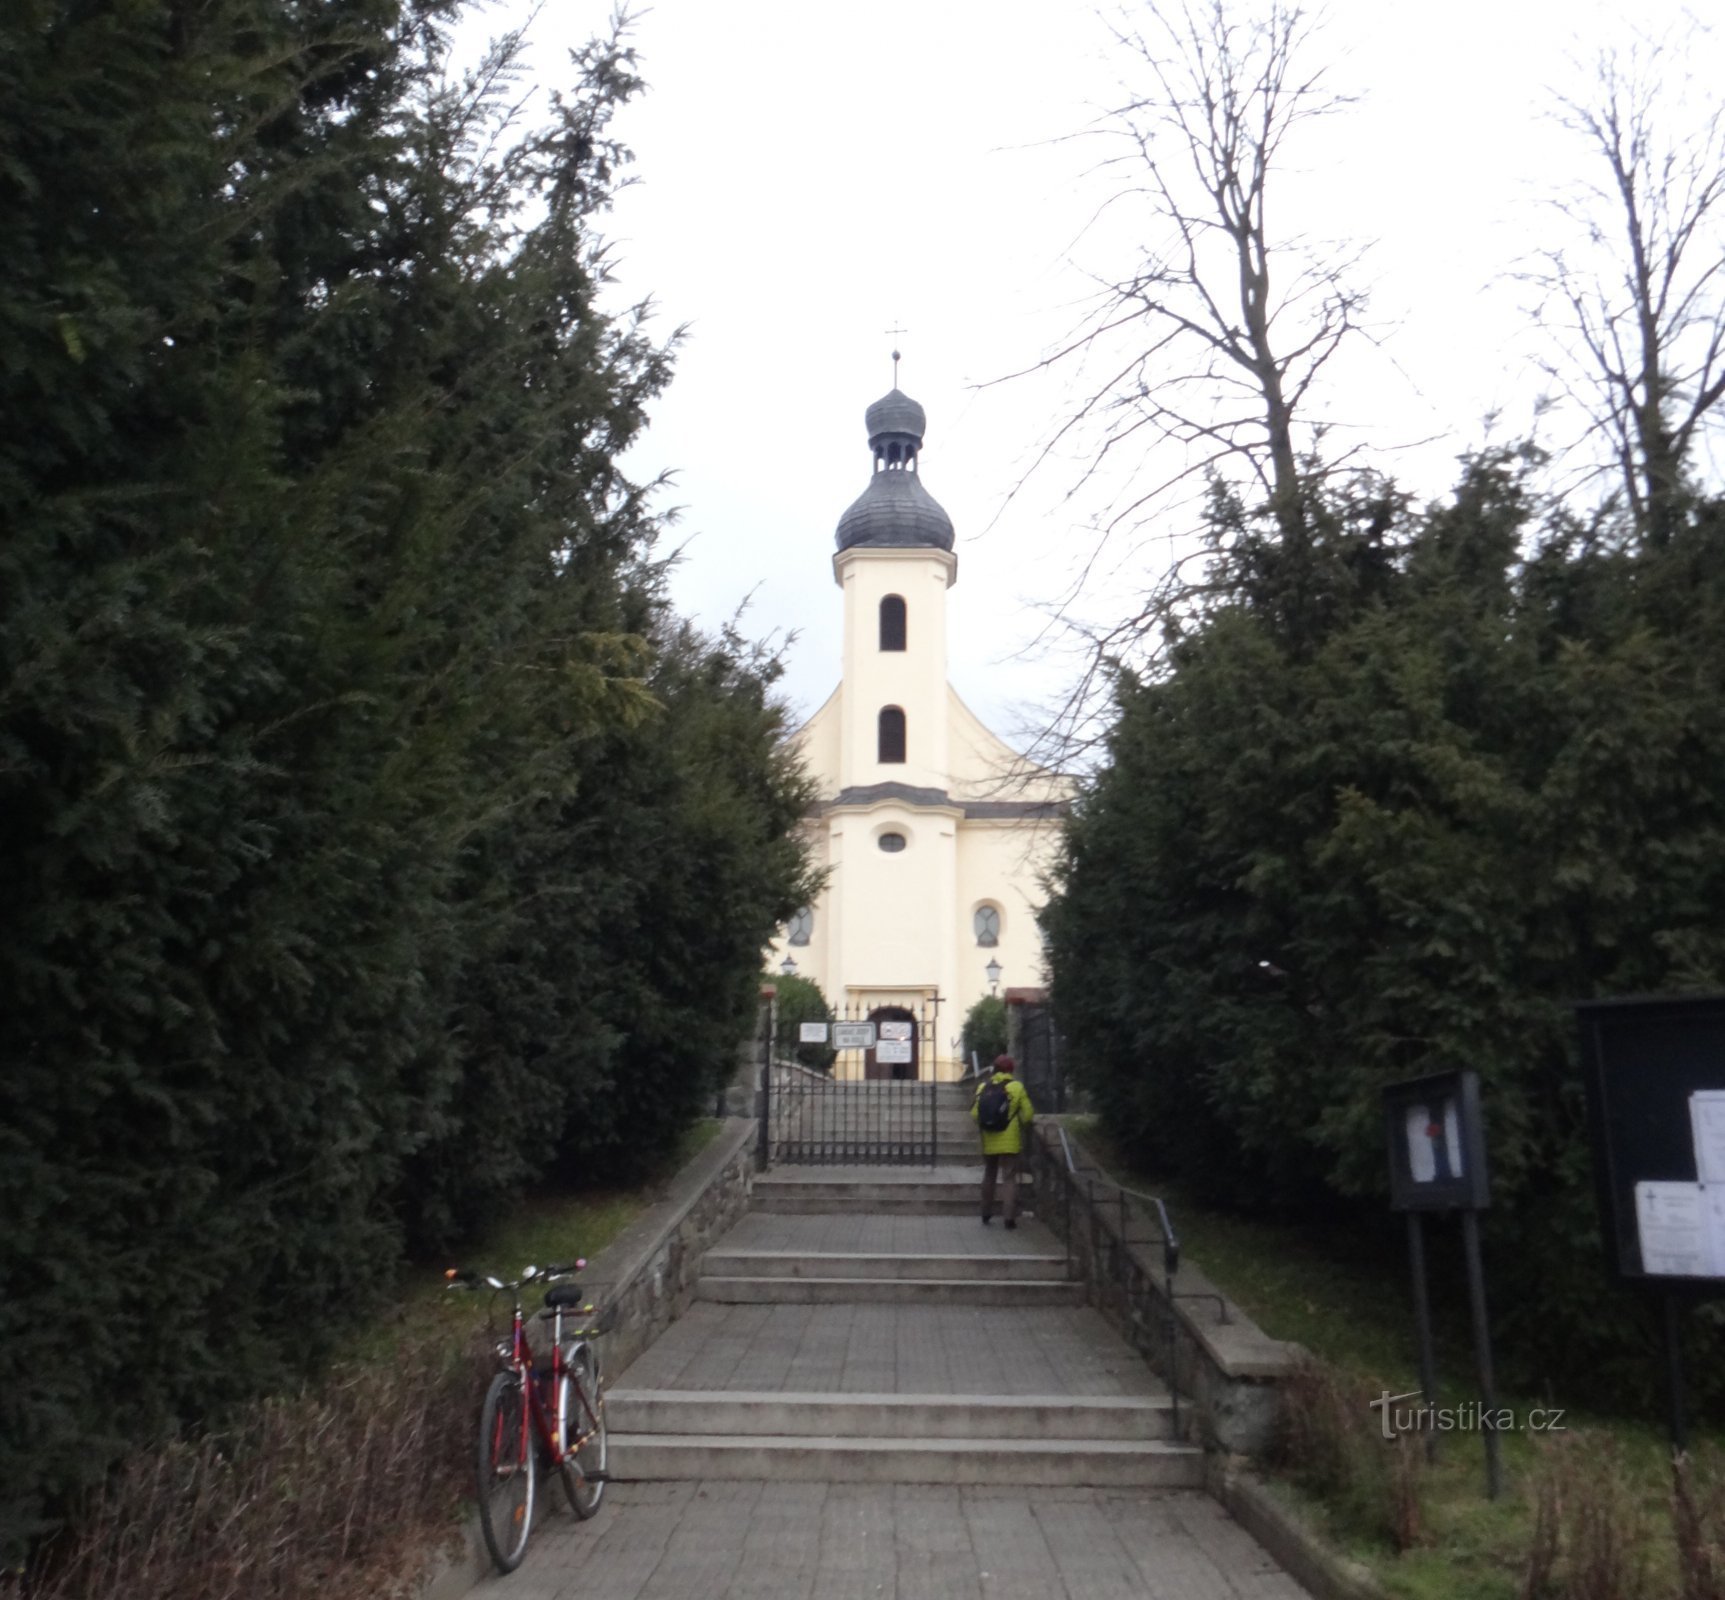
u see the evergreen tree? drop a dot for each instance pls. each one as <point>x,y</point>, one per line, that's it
<point>345,743</point>
<point>1397,832</point>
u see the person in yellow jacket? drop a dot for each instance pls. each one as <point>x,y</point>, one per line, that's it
<point>1001,1147</point>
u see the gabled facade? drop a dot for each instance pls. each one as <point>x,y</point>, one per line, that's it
<point>934,832</point>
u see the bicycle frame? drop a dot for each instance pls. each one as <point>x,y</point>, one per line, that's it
<point>517,1356</point>
<point>553,1430</point>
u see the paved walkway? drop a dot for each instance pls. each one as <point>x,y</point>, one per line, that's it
<point>859,1541</point>
<point>801,1540</point>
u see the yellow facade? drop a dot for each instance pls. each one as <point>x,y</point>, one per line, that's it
<point>978,823</point>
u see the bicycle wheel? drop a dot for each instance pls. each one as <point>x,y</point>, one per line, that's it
<point>507,1471</point>
<point>584,1406</point>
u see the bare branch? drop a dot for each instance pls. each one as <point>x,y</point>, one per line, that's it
<point>1640,293</point>
<point>1210,342</point>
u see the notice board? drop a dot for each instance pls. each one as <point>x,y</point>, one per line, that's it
<point>1655,1076</point>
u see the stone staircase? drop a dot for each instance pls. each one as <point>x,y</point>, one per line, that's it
<point>860,1326</point>
<point>943,1190</point>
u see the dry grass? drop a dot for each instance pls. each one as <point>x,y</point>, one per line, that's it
<point>1698,1520</point>
<point>1595,1537</point>
<point>1330,1442</point>
<point>348,1490</point>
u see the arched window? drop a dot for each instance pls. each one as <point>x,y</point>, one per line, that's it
<point>986,923</point>
<point>801,927</point>
<point>892,843</point>
<point>892,622</point>
<point>891,737</point>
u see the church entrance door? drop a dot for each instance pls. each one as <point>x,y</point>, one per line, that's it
<point>896,1028</point>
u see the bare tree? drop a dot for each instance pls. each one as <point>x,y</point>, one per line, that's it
<point>1639,297</point>
<point>1197,362</point>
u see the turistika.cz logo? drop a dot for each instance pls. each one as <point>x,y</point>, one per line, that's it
<point>1471,1416</point>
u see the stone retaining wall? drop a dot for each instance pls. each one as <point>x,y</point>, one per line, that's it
<point>645,1278</point>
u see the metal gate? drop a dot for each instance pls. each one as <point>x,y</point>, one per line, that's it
<point>851,1103</point>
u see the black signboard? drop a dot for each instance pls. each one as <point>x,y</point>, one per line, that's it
<point>1655,1075</point>
<point>1437,1144</point>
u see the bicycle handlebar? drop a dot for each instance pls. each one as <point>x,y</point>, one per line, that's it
<point>458,1278</point>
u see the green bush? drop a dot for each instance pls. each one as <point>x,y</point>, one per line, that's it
<point>985,1030</point>
<point>1398,800</point>
<point>374,835</point>
<point>800,1000</point>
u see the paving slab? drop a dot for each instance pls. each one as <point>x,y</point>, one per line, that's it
<point>893,1349</point>
<point>857,1541</point>
<point>874,1234</point>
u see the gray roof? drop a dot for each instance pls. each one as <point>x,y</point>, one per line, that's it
<point>895,412</point>
<point>917,795</point>
<point>895,512</point>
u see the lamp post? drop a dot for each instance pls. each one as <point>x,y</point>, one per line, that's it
<point>992,973</point>
<point>788,966</point>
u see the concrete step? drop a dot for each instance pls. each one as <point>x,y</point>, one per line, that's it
<point>904,1191</point>
<point>827,1203</point>
<point>890,1291</point>
<point>851,1264</point>
<point>739,1413</point>
<point>784,1458</point>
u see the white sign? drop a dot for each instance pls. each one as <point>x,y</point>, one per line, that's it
<point>892,1051</point>
<point>1682,1230</point>
<point>812,1033</point>
<point>853,1036</point>
<point>1707,1125</point>
<point>895,1030</point>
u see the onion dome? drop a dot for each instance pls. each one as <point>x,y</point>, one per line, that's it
<point>895,511</point>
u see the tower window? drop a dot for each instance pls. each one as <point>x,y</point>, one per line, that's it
<point>891,734</point>
<point>801,927</point>
<point>892,622</point>
<point>986,922</point>
<point>892,843</point>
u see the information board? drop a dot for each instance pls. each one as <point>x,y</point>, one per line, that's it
<point>853,1036</point>
<point>892,1052</point>
<point>1436,1143</point>
<point>1655,1076</point>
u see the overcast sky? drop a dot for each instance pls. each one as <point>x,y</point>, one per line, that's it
<point>811,176</point>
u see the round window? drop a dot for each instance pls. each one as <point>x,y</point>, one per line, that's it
<point>892,842</point>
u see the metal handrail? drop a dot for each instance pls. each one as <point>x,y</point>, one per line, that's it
<point>1171,1244</point>
<point>1170,1258</point>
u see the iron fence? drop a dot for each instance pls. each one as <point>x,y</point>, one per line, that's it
<point>876,1104</point>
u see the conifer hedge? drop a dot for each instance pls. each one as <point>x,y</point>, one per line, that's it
<point>1401,797</point>
<point>374,838</point>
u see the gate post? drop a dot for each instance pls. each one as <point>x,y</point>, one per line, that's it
<point>763,1134</point>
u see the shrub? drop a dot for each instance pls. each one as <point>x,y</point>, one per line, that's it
<point>345,1492</point>
<point>1330,1442</point>
<point>985,1030</point>
<point>800,1000</point>
<point>1590,1535</point>
<point>1698,1519</point>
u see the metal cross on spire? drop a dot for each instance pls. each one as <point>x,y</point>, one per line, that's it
<point>895,332</point>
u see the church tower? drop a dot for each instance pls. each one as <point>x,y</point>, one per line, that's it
<point>933,833</point>
<point>894,562</point>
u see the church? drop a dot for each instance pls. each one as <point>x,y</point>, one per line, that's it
<point>934,833</point>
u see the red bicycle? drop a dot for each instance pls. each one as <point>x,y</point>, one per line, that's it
<point>562,1404</point>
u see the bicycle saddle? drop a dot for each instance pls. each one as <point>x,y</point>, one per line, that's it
<point>566,1295</point>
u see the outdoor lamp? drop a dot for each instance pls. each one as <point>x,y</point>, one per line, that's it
<point>992,972</point>
<point>788,966</point>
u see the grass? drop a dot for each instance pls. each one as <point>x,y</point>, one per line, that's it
<point>550,1226</point>
<point>1343,1292</point>
<point>345,1490</point>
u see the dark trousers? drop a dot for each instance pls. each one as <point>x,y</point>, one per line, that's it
<point>1006,1166</point>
